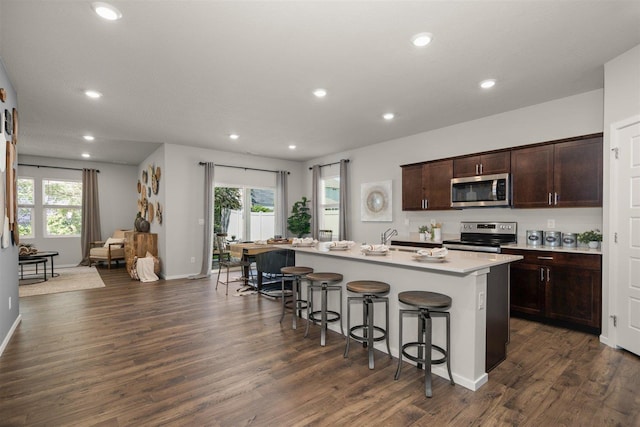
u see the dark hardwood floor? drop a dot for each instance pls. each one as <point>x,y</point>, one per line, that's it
<point>180,353</point>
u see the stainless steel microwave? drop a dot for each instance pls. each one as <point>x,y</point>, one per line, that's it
<point>481,191</point>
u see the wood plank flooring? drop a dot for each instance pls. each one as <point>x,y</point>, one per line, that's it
<point>180,353</point>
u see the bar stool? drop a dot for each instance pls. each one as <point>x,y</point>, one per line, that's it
<point>371,292</point>
<point>298,273</point>
<point>427,305</point>
<point>326,282</point>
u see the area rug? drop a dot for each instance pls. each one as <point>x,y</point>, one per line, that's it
<point>70,279</point>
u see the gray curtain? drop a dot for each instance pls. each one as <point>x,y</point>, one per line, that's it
<point>343,231</point>
<point>282,203</point>
<point>90,213</point>
<point>315,200</point>
<point>209,198</point>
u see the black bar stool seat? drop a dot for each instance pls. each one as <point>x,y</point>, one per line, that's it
<point>297,304</point>
<point>370,291</point>
<point>426,305</point>
<point>323,282</point>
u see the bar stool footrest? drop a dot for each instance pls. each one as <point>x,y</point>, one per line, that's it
<point>313,314</point>
<point>362,338</point>
<point>421,360</point>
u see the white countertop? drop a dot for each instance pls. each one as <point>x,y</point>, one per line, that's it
<point>459,262</point>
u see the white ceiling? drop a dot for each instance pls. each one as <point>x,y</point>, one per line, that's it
<point>192,72</point>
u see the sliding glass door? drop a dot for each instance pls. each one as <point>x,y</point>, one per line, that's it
<point>244,213</point>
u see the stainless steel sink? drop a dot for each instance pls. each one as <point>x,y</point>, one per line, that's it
<point>403,249</point>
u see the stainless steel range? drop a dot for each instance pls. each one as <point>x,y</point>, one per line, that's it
<point>484,236</point>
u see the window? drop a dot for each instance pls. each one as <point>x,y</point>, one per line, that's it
<point>330,204</point>
<point>62,207</point>
<point>26,203</point>
<point>232,216</point>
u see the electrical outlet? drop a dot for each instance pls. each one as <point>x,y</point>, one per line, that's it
<point>193,259</point>
<point>481,301</point>
<point>551,223</point>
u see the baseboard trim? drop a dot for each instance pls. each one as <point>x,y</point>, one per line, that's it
<point>6,340</point>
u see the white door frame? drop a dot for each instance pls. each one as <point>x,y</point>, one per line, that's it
<point>610,250</point>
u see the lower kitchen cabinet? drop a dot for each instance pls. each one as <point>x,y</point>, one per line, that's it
<point>557,287</point>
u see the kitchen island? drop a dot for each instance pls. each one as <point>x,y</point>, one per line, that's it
<point>478,284</point>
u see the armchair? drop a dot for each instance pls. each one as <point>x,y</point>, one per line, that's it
<point>110,250</point>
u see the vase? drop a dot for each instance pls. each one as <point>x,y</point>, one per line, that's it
<point>423,237</point>
<point>593,245</point>
<point>437,234</point>
<point>144,226</point>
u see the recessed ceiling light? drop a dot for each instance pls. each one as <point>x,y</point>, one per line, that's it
<point>93,94</point>
<point>388,116</point>
<point>89,137</point>
<point>292,147</point>
<point>320,93</point>
<point>487,84</point>
<point>421,39</point>
<point>106,11</point>
<point>234,136</point>
<point>86,155</point>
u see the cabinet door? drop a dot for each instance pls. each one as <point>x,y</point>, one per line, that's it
<point>532,176</point>
<point>527,289</point>
<point>578,173</point>
<point>466,166</point>
<point>574,295</point>
<point>436,182</point>
<point>495,163</point>
<point>412,191</point>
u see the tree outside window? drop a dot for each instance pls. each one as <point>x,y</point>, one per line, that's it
<point>62,205</point>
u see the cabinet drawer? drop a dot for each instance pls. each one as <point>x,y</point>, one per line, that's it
<point>587,261</point>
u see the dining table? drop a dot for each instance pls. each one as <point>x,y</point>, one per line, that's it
<point>247,251</point>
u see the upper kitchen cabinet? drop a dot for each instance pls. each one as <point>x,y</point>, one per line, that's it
<point>482,164</point>
<point>562,174</point>
<point>412,188</point>
<point>427,186</point>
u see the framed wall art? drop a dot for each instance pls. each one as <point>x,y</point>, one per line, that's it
<point>376,201</point>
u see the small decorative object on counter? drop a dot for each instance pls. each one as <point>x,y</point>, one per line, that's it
<point>552,238</point>
<point>423,230</point>
<point>569,240</point>
<point>534,237</point>
<point>436,231</point>
<point>591,238</point>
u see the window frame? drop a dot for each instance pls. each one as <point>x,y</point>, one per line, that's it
<point>31,207</point>
<point>46,207</point>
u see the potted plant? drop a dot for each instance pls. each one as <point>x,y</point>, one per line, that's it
<point>299,223</point>
<point>423,230</point>
<point>591,238</point>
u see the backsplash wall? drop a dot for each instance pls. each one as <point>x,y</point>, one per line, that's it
<point>567,220</point>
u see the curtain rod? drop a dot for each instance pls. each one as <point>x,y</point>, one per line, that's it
<point>330,164</point>
<point>53,167</point>
<point>242,167</point>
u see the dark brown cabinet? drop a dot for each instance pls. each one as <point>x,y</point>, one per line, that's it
<point>564,288</point>
<point>412,188</point>
<point>482,164</point>
<point>561,174</point>
<point>427,186</point>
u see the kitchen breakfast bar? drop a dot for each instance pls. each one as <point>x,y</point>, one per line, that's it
<point>478,284</point>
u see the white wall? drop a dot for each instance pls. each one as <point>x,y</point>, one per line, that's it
<point>562,118</point>
<point>8,256</point>
<point>184,186</point>
<point>621,101</point>
<point>116,188</point>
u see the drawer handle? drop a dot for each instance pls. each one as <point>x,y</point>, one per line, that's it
<point>550,258</point>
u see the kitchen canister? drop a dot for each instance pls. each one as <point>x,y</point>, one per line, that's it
<point>570,240</point>
<point>534,237</point>
<point>552,238</point>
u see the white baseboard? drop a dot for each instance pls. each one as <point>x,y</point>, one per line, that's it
<point>6,340</point>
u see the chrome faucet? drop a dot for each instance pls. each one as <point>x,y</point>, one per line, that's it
<point>387,235</point>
